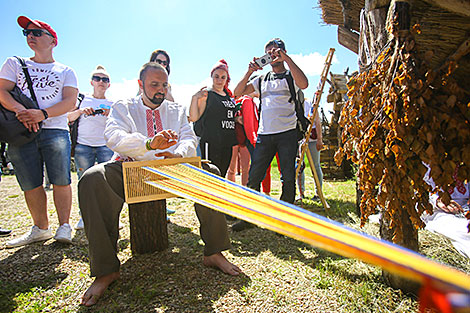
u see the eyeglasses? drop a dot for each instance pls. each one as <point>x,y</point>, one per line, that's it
<point>98,78</point>
<point>164,63</point>
<point>36,32</point>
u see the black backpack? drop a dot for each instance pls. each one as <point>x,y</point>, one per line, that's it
<point>297,97</point>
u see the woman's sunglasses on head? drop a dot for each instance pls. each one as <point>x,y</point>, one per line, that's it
<point>36,32</point>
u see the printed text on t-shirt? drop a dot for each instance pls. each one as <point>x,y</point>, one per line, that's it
<point>43,80</point>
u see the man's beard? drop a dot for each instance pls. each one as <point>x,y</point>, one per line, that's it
<point>155,100</point>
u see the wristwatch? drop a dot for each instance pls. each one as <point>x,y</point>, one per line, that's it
<point>45,114</point>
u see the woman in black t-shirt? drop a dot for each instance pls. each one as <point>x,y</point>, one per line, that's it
<point>213,113</point>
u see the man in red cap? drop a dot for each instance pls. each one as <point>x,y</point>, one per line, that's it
<point>55,87</point>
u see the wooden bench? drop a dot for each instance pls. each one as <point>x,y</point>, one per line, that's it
<point>147,204</point>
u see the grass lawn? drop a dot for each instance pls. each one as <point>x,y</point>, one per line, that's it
<point>279,274</point>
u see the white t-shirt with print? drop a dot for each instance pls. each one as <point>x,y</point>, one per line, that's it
<point>49,80</point>
<point>91,127</point>
<point>277,113</point>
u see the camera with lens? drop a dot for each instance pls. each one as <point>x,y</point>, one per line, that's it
<point>264,60</point>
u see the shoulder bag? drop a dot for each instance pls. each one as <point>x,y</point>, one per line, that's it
<point>12,131</point>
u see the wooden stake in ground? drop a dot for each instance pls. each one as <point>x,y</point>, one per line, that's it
<point>304,146</point>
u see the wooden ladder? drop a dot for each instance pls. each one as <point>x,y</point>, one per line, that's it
<point>304,147</point>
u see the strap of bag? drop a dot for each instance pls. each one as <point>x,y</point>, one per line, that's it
<point>298,106</point>
<point>80,98</point>
<point>261,78</point>
<point>290,83</point>
<point>259,89</point>
<point>28,78</point>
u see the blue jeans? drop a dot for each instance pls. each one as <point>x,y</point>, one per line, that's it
<point>285,144</point>
<point>86,156</point>
<point>52,148</point>
<point>312,146</point>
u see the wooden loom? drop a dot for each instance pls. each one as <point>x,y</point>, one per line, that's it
<point>147,205</point>
<point>230,198</point>
<point>136,190</point>
<point>161,179</point>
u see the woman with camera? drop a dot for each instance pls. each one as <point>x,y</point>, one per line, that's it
<point>92,114</point>
<point>213,113</point>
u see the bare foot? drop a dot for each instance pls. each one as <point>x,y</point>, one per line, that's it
<point>97,288</point>
<point>218,260</point>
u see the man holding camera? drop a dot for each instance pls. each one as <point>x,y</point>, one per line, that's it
<point>278,120</point>
<point>143,128</point>
<point>55,87</point>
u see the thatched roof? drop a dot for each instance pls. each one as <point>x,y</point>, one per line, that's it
<point>341,12</point>
<point>332,12</point>
<point>442,32</point>
<point>445,25</point>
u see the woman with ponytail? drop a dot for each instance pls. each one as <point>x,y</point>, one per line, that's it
<point>213,112</point>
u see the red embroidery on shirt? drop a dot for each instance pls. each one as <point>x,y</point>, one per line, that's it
<point>459,185</point>
<point>158,121</point>
<point>148,115</point>
<point>154,122</point>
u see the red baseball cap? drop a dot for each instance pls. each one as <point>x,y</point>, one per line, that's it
<point>24,22</point>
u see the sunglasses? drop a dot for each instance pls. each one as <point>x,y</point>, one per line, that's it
<point>98,78</point>
<point>161,62</point>
<point>36,32</point>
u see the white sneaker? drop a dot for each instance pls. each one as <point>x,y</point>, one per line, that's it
<point>36,234</point>
<point>80,224</point>
<point>64,233</point>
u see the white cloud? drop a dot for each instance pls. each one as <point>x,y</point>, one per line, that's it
<point>123,90</point>
<point>311,64</point>
<point>182,93</point>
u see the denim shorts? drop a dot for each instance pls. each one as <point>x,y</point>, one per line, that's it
<point>52,149</point>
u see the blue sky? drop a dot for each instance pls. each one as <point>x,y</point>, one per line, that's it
<point>122,34</point>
